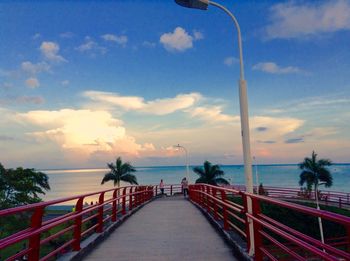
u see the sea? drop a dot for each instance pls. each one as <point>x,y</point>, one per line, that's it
<point>70,182</point>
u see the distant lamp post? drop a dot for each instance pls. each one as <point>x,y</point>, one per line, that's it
<point>187,167</point>
<point>243,101</point>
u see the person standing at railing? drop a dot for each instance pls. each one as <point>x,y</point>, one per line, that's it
<point>184,184</point>
<point>161,187</point>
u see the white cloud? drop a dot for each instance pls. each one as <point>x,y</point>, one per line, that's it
<point>91,46</point>
<point>271,67</point>
<point>213,114</point>
<point>149,44</point>
<point>33,69</point>
<point>36,36</point>
<point>230,60</point>
<point>122,39</point>
<point>83,131</point>
<point>179,40</point>
<point>158,107</point>
<point>67,35</point>
<point>65,83</point>
<point>32,82</point>
<point>50,51</point>
<point>293,20</point>
<point>198,35</point>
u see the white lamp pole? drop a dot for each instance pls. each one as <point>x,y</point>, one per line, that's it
<point>243,101</point>
<point>187,167</point>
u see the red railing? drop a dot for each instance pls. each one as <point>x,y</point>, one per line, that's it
<point>274,240</point>
<point>340,199</point>
<point>84,220</point>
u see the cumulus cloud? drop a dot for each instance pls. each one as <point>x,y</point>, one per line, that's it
<point>32,82</point>
<point>271,67</point>
<point>157,107</point>
<point>306,19</point>
<point>121,40</point>
<point>213,114</point>
<point>50,51</point>
<point>33,69</point>
<point>91,47</point>
<point>229,61</point>
<point>179,40</point>
<point>83,131</point>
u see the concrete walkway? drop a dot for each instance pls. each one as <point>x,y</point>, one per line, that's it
<point>165,229</point>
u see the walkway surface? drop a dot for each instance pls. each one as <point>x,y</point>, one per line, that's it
<point>165,229</point>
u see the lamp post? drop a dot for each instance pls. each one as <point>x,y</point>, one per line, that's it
<point>243,101</point>
<point>187,167</point>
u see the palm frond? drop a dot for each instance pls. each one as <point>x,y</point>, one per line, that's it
<point>108,176</point>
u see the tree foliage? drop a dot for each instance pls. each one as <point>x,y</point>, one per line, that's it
<point>210,174</point>
<point>315,171</point>
<point>21,186</point>
<point>120,172</point>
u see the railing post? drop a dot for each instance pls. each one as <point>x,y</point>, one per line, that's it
<point>99,228</point>
<point>124,202</point>
<point>245,211</point>
<point>130,199</point>
<point>208,199</point>
<point>114,205</point>
<point>257,228</point>
<point>171,190</point>
<point>215,205</point>
<point>224,210</point>
<point>78,223</point>
<point>34,241</point>
<point>340,205</point>
<point>156,190</point>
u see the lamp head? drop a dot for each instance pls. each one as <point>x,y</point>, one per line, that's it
<point>195,4</point>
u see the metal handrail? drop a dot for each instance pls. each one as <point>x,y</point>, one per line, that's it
<point>266,243</point>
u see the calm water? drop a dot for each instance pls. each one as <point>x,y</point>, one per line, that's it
<point>73,182</point>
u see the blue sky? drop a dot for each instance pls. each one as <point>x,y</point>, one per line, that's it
<point>84,82</point>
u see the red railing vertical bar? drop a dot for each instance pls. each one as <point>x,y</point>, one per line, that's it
<point>258,242</point>
<point>348,235</point>
<point>101,198</point>
<point>136,197</point>
<point>124,202</point>
<point>216,216</point>
<point>245,210</point>
<point>130,199</point>
<point>224,210</point>
<point>115,205</point>
<point>34,241</point>
<point>78,223</point>
<point>156,190</point>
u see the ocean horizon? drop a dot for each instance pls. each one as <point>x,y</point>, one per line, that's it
<point>70,182</point>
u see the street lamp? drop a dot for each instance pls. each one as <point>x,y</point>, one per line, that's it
<point>187,167</point>
<point>243,101</point>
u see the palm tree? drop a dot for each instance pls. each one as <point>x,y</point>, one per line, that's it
<point>314,172</point>
<point>210,174</point>
<point>120,172</point>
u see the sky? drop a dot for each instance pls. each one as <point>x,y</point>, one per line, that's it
<point>84,82</point>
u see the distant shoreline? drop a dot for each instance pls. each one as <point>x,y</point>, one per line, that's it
<point>182,166</point>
